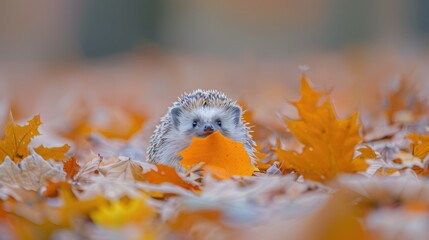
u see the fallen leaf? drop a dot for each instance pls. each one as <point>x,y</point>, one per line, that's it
<point>71,167</point>
<point>54,153</point>
<point>17,138</point>
<point>222,156</point>
<point>53,188</point>
<point>121,212</point>
<point>167,174</point>
<point>122,168</point>
<point>200,224</point>
<point>31,172</point>
<point>329,142</point>
<point>403,104</point>
<point>419,146</point>
<point>118,123</point>
<point>359,162</point>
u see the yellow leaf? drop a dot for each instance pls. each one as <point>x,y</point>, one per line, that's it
<point>222,156</point>
<point>17,138</point>
<point>329,142</point>
<point>74,208</point>
<point>121,212</point>
<point>54,153</point>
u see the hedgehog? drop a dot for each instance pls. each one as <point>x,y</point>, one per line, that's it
<point>198,114</point>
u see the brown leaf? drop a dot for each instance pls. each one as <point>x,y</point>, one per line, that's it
<point>71,167</point>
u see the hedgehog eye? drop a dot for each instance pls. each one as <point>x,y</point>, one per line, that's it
<point>219,123</point>
<point>194,123</point>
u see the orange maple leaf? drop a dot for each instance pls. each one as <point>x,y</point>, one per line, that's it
<point>329,142</point>
<point>17,138</point>
<point>359,162</point>
<point>420,145</point>
<point>54,153</point>
<point>122,124</point>
<point>167,174</point>
<point>222,156</point>
<point>71,167</point>
<point>403,105</point>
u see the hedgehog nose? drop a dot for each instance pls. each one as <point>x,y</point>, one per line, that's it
<point>208,128</point>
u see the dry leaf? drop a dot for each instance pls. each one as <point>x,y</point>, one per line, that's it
<point>329,142</point>
<point>31,172</point>
<point>54,153</point>
<point>222,156</point>
<point>122,168</point>
<point>167,174</point>
<point>71,167</point>
<point>122,123</point>
<point>121,212</point>
<point>404,105</point>
<point>359,162</point>
<point>17,138</point>
<point>53,188</point>
<point>420,145</point>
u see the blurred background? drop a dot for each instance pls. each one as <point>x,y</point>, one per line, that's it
<point>57,56</point>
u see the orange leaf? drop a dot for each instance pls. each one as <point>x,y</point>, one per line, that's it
<point>359,162</point>
<point>134,124</point>
<point>17,138</point>
<point>54,153</point>
<point>121,123</point>
<point>71,167</point>
<point>329,142</point>
<point>52,188</point>
<point>420,145</point>
<point>222,156</point>
<point>403,105</point>
<point>167,174</point>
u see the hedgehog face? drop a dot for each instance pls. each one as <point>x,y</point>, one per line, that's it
<point>203,121</point>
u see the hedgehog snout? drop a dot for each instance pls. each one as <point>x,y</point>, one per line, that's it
<point>208,128</point>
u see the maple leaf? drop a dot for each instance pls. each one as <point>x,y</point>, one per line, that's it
<point>419,146</point>
<point>71,167</point>
<point>17,138</point>
<point>359,162</point>
<point>404,106</point>
<point>122,123</point>
<point>31,172</point>
<point>167,174</point>
<point>54,153</point>
<point>329,142</point>
<point>121,212</point>
<point>122,168</point>
<point>222,156</point>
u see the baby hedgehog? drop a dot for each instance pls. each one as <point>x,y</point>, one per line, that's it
<point>199,114</point>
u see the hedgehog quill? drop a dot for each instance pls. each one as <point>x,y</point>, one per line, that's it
<point>199,114</point>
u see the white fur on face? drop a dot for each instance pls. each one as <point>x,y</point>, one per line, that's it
<point>209,115</point>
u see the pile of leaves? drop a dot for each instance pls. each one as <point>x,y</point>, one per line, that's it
<point>325,177</point>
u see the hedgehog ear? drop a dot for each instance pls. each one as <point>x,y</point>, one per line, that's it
<point>236,113</point>
<point>175,114</point>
